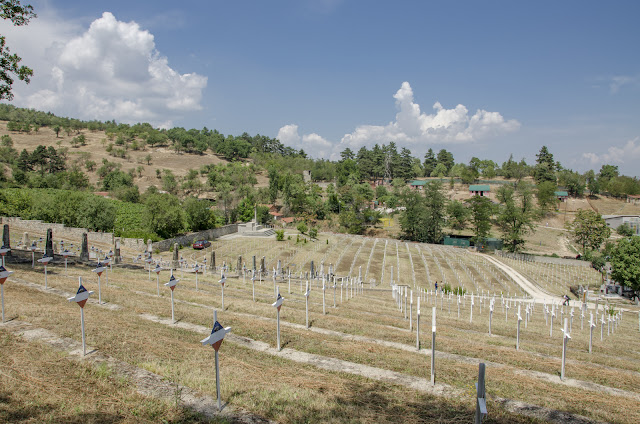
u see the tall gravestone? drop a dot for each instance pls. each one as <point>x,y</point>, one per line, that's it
<point>239,264</point>
<point>149,247</point>
<point>49,245</point>
<point>254,262</point>
<point>176,257</point>
<point>213,259</point>
<point>262,266</point>
<point>6,240</point>
<point>84,253</point>
<point>312,269</point>
<point>25,240</point>
<point>116,250</point>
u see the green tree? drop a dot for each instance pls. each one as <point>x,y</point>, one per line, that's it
<point>458,215</point>
<point>313,233</point>
<point>515,216</point>
<point>439,171</point>
<point>164,214</point>
<point>545,166</point>
<point>446,158</point>
<point>430,162</point>
<point>198,214</point>
<point>545,193</point>
<point>302,227</point>
<point>9,63</point>
<point>481,212</point>
<point>589,230</point>
<point>625,230</point>
<point>625,262</point>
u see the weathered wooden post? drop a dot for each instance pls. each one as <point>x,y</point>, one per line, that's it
<point>215,340</point>
<point>481,401</point>
<point>278,304</point>
<point>81,298</point>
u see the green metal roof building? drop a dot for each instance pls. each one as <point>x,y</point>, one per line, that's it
<point>479,189</point>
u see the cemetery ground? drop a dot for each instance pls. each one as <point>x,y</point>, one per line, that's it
<point>356,363</point>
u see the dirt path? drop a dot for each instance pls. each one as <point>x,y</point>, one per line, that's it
<point>532,290</point>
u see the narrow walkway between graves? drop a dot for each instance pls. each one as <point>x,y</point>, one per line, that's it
<point>532,289</point>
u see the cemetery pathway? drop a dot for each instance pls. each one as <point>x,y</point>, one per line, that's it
<point>532,289</point>
<point>145,382</point>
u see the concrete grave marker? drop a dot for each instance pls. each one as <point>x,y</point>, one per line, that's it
<point>45,261</point>
<point>4,250</point>
<point>157,270</point>
<point>215,340</point>
<point>565,340</point>
<point>306,298</point>
<point>99,269</point>
<point>433,347</point>
<point>173,281</point>
<point>81,297</point>
<point>278,304</point>
<point>222,281</point>
<point>4,274</point>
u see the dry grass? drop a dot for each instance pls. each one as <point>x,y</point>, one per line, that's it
<point>383,321</point>
<point>48,387</point>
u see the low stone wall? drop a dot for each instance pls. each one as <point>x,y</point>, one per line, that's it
<point>60,231</point>
<point>543,259</point>
<point>188,239</point>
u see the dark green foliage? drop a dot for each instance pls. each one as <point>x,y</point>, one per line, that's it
<point>515,215</point>
<point>163,214</point>
<point>545,166</point>
<point>589,230</point>
<point>625,261</point>
<point>424,217</point>
<point>458,215</point>
<point>481,212</point>
<point>198,214</point>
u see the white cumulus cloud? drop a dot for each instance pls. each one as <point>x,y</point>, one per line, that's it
<point>413,128</point>
<point>629,152</point>
<point>111,70</point>
<point>313,144</point>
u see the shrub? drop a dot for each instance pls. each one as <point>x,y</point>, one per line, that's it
<point>313,233</point>
<point>459,291</point>
<point>279,235</point>
<point>302,227</point>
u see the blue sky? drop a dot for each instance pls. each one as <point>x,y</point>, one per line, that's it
<point>480,79</point>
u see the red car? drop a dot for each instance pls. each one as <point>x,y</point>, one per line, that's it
<point>201,244</point>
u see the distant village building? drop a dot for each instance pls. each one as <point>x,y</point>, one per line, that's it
<point>561,195</point>
<point>418,184</point>
<point>634,199</point>
<point>614,221</point>
<point>479,189</point>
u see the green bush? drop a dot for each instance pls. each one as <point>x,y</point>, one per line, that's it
<point>459,291</point>
<point>446,288</point>
<point>302,227</point>
<point>279,235</point>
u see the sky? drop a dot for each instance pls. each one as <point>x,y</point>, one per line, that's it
<point>485,79</point>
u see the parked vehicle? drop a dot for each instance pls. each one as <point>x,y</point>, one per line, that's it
<point>201,244</point>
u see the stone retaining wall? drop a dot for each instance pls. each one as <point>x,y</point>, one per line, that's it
<point>60,231</point>
<point>188,239</point>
